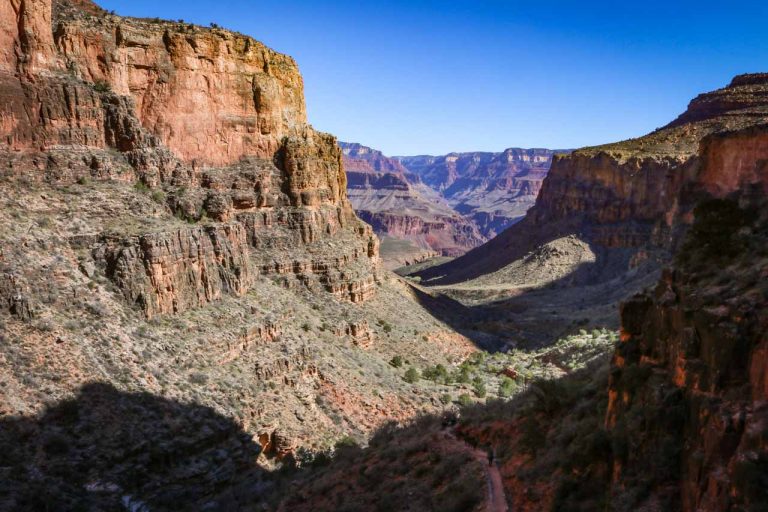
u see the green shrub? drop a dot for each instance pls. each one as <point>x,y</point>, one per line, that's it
<point>479,389</point>
<point>396,361</point>
<point>462,375</point>
<point>437,373</point>
<point>507,387</point>
<point>465,399</point>
<point>141,187</point>
<point>101,86</point>
<point>411,375</point>
<point>445,399</point>
<point>158,196</point>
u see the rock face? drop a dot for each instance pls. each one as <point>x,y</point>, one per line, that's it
<point>214,122</point>
<point>413,220</point>
<point>495,190</point>
<point>623,197</point>
<point>696,345</point>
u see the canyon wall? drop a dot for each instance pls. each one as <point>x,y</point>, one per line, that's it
<point>413,220</point>
<point>696,345</point>
<point>623,198</point>
<point>211,122</point>
<point>494,190</point>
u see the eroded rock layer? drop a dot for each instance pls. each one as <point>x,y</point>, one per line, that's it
<point>210,122</point>
<point>413,220</point>
<point>494,190</point>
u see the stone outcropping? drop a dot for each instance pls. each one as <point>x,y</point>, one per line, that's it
<point>696,345</point>
<point>211,123</point>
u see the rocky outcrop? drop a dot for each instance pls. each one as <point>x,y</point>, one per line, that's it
<point>211,123</point>
<point>358,332</point>
<point>13,298</point>
<point>495,190</point>
<point>400,207</point>
<point>210,95</point>
<point>696,348</point>
<point>624,197</point>
<point>165,273</point>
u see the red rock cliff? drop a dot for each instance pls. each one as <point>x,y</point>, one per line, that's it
<point>696,346</point>
<point>214,121</point>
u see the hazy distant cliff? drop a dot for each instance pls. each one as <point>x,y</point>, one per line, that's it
<point>495,190</point>
<point>400,207</point>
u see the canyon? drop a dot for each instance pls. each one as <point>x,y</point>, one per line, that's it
<point>426,206</point>
<point>194,317</point>
<point>401,209</point>
<point>673,415</point>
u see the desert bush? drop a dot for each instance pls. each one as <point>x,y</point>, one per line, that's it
<point>102,86</point>
<point>479,388</point>
<point>411,375</point>
<point>437,373</point>
<point>158,196</point>
<point>507,387</point>
<point>396,361</point>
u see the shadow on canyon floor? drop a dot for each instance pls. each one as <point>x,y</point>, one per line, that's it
<point>431,464</point>
<point>537,314</point>
<point>111,450</point>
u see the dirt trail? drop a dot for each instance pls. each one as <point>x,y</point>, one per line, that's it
<point>497,500</point>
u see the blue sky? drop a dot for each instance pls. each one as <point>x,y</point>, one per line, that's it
<point>430,77</point>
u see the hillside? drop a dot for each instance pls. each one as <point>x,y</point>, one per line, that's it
<point>177,242</point>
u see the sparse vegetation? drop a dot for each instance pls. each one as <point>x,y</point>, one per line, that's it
<point>102,86</point>
<point>158,196</point>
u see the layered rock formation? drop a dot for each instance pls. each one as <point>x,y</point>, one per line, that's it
<point>413,220</point>
<point>495,190</point>
<point>213,121</point>
<point>622,198</point>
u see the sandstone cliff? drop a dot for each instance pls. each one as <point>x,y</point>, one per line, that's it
<point>412,219</point>
<point>695,347</point>
<point>622,198</point>
<point>213,121</point>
